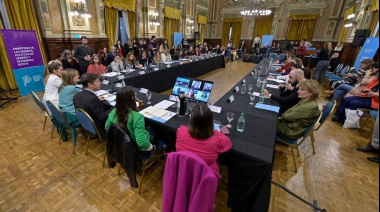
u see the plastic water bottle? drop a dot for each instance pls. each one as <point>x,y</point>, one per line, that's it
<point>243,88</point>
<point>123,82</point>
<point>258,82</point>
<point>263,84</point>
<point>241,123</point>
<point>261,97</point>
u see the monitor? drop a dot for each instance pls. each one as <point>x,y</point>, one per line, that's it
<point>194,89</point>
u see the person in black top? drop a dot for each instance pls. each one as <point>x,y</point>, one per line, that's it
<point>120,48</point>
<point>290,46</point>
<point>153,46</point>
<point>323,64</point>
<point>83,54</point>
<point>334,61</point>
<point>135,48</point>
<point>144,60</point>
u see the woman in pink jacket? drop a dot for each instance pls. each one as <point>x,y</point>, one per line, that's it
<point>201,138</point>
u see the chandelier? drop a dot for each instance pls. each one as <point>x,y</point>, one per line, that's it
<point>255,8</point>
<point>78,9</point>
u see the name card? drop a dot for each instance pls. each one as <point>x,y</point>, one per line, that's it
<point>168,66</point>
<point>180,63</point>
<point>118,85</point>
<point>105,82</point>
<point>143,90</point>
<point>236,89</point>
<point>196,59</point>
<point>120,77</point>
<point>141,72</point>
<point>156,69</point>
<point>231,98</point>
<point>243,82</point>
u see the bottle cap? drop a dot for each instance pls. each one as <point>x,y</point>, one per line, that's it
<point>242,114</point>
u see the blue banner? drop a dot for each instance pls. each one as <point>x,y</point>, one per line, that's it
<point>368,51</point>
<point>266,40</point>
<point>25,57</point>
<point>177,39</point>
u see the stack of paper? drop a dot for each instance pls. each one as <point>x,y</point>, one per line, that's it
<point>157,114</point>
<point>215,109</point>
<point>101,92</point>
<point>164,104</point>
<point>111,74</point>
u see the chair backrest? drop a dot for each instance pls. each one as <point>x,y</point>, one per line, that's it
<point>313,56</point>
<point>56,113</point>
<point>87,122</point>
<point>327,110</point>
<point>281,57</point>
<point>273,56</point>
<point>338,68</point>
<point>344,70</point>
<point>311,127</point>
<point>38,102</point>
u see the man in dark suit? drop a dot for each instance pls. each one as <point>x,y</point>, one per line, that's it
<point>95,106</point>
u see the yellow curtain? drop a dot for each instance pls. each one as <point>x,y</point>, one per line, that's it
<point>225,32</point>
<point>202,19</point>
<point>170,12</point>
<point>167,30</point>
<point>304,17</point>
<point>343,34</point>
<point>263,26</point>
<point>375,5</point>
<point>233,19</point>
<point>132,24</point>
<point>308,29</point>
<point>349,11</point>
<point>236,32</point>
<point>174,28</point>
<point>21,16</point>
<point>201,29</point>
<point>294,29</point>
<point>111,18</point>
<point>129,5</point>
<point>374,20</point>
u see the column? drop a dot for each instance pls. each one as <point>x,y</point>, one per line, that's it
<point>161,6</point>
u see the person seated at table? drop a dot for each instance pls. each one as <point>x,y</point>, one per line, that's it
<point>295,121</point>
<point>131,62</point>
<point>201,138</point>
<point>197,51</point>
<point>181,54</point>
<point>306,73</point>
<point>288,96</point>
<point>68,61</point>
<point>190,94</point>
<point>157,58</point>
<point>179,48</point>
<point>368,98</point>
<point>70,79</point>
<point>144,60</point>
<point>223,51</point>
<point>111,55</point>
<point>216,50</point>
<point>164,47</point>
<point>166,57</point>
<point>287,65</point>
<point>190,52</point>
<point>117,64</point>
<point>96,67</point>
<point>301,50</point>
<point>277,49</point>
<point>103,58</point>
<point>233,52</point>
<point>262,53</point>
<point>353,76</point>
<point>95,106</point>
<point>126,115</point>
<point>52,81</point>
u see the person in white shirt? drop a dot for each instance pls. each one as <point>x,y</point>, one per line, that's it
<point>256,42</point>
<point>52,81</point>
<point>117,64</point>
<point>307,43</point>
<point>166,57</point>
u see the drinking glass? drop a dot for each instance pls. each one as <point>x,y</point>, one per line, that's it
<point>191,106</point>
<point>230,117</point>
<point>250,87</point>
<point>148,96</point>
<point>252,97</point>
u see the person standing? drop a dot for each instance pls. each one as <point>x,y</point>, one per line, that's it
<point>83,54</point>
<point>256,42</point>
<point>323,64</point>
<point>153,46</point>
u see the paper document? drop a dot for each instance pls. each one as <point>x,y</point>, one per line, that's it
<point>258,94</point>
<point>109,97</point>
<point>215,109</point>
<point>157,114</point>
<point>111,74</point>
<point>155,111</point>
<point>267,107</point>
<point>164,104</point>
<point>101,92</point>
<point>272,86</point>
<point>276,80</point>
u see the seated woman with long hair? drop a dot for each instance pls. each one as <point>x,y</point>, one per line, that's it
<point>157,58</point>
<point>126,116</point>
<point>70,78</point>
<point>201,138</point>
<point>52,82</point>
<point>131,62</point>
<point>95,66</point>
<point>295,121</point>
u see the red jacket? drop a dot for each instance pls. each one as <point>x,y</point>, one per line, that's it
<point>371,86</point>
<point>301,50</point>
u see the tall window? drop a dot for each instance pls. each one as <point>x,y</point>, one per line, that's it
<point>230,33</point>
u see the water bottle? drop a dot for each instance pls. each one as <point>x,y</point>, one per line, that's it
<point>261,97</point>
<point>182,104</point>
<point>241,123</point>
<point>123,82</point>
<point>254,74</point>
<point>263,84</point>
<point>243,88</point>
<point>187,106</point>
<point>258,82</point>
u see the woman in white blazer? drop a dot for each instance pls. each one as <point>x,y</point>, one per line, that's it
<point>52,81</point>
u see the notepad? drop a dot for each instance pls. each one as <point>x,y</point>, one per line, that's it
<point>157,114</point>
<point>155,111</point>
<point>164,104</point>
<point>275,109</point>
<point>214,108</point>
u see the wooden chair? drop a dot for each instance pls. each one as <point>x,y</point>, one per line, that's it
<point>41,106</point>
<point>88,124</point>
<point>293,143</point>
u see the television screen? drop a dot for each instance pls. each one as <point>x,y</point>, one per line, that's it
<point>195,89</point>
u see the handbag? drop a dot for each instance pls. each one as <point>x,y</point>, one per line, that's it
<point>352,118</point>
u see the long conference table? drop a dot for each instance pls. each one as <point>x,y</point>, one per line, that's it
<point>250,159</point>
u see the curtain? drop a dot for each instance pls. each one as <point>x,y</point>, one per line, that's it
<point>201,29</point>
<point>236,32</point>
<point>111,18</point>
<point>294,29</point>
<point>21,16</point>
<point>343,34</point>
<point>132,24</point>
<point>170,12</point>
<point>126,20</point>
<point>263,26</point>
<point>174,28</point>
<point>308,29</point>
<point>226,30</point>
<point>167,30</point>
<point>129,5</point>
<point>375,5</point>
<point>374,20</point>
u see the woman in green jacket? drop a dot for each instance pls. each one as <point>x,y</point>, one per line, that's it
<point>125,115</point>
<point>295,121</point>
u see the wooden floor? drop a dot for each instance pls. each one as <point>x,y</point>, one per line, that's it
<point>36,174</point>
